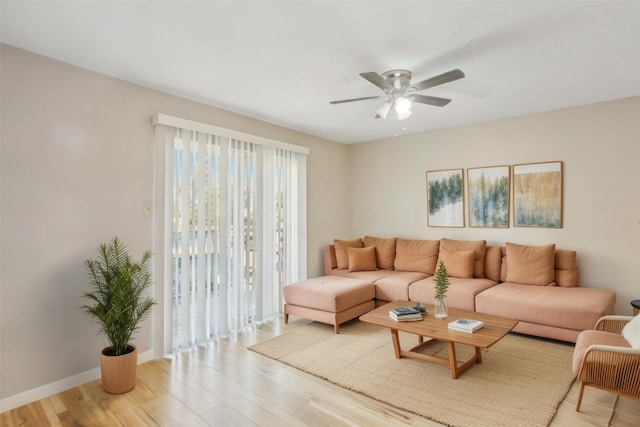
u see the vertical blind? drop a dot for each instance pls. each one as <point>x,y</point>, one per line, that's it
<point>234,230</point>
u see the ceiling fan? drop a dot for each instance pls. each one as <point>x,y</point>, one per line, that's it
<point>399,93</point>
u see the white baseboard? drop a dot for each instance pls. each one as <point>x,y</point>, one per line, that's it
<point>60,385</point>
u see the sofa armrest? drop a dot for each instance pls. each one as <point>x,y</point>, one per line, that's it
<point>330,261</point>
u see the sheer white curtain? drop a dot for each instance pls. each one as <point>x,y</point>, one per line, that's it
<point>232,232</point>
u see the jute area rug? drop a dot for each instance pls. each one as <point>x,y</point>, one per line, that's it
<point>520,382</point>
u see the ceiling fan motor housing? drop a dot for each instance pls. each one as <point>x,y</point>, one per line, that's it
<point>399,79</point>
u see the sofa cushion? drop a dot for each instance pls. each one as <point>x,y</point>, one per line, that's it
<point>530,265</point>
<point>416,255</point>
<point>493,263</point>
<point>577,309</point>
<point>631,332</point>
<point>566,268</point>
<point>458,263</point>
<point>329,293</point>
<point>342,258</point>
<point>460,294</point>
<point>479,246</point>
<point>385,250</point>
<point>396,286</point>
<point>362,259</point>
<point>370,276</point>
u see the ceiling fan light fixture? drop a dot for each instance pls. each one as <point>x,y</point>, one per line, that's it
<point>403,105</point>
<point>384,110</point>
<point>404,115</point>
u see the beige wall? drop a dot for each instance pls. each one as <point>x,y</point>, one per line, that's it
<point>599,145</point>
<point>76,167</point>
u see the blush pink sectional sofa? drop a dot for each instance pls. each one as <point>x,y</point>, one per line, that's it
<point>536,285</point>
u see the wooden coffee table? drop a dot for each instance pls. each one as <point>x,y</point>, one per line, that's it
<point>494,329</point>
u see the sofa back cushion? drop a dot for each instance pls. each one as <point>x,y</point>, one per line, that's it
<point>493,263</point>
<point>416,255</point>
<point>458,263</point>
<point>530,265</point>
<point>362,259</point>
<point>479,246</point>
<point>330,262</point>
<point>342,258</point>
<point>385,250</point>
<point>565,268</point>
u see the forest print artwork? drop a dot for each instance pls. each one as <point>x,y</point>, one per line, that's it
<point>537,195</point>
<point>445,198</point>
<point>488,196</point>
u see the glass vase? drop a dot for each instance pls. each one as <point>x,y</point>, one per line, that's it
<point>440,310</point>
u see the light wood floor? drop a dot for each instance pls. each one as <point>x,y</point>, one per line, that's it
<point>225,384</point>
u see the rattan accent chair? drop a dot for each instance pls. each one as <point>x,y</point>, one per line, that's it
<point>603,359</point>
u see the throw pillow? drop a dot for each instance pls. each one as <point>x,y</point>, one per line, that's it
<point>416,255</point>
<point>631,332</point>
<point>385,251</point>
<point>479,246</point>
<point>531,265</point>
<point>362,259</point>
<point>342,258</point>
<point>459,263</point>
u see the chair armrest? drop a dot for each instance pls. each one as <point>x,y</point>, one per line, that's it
<point>612,368</point>
<point>612,323</point>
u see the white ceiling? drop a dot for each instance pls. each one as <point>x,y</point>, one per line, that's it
<point>282,62</point>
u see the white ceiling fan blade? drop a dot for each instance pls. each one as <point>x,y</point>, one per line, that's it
<point>430,100</point>
<point>377,80</point>
<point>344,101</point>
<point>447,77</point>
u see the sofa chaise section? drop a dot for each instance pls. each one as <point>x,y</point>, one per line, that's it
<point>549,303</point>
<point>547,311</point>
<point>329,299</point>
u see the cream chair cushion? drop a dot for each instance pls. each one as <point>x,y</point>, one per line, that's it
<point>588,338</point>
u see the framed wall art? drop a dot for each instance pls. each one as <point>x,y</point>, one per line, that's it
<point>445,198</point>
<point>537,195</point>
<point>488,196</point>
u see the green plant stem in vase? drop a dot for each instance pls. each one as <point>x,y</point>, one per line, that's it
<point>441,285</point>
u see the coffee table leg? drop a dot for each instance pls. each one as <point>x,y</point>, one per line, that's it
<point>453,365</point>
<point>396,342</point>
<point>456,370</point>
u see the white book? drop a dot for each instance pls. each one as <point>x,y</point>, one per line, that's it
<point>466,325</point>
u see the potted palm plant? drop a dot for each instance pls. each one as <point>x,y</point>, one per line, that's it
<point>441,285</point>
<point>118,305</point>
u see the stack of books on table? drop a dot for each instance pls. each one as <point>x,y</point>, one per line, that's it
<point>466,325</point>
<point>405,314</point>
